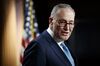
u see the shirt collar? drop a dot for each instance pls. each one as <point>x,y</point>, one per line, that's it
<point>52,34</point>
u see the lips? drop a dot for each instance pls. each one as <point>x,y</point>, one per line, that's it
<point>65,33</point>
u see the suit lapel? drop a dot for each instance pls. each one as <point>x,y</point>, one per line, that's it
<point>56,48</point>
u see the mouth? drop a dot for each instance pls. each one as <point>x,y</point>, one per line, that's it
<point>65,33</point>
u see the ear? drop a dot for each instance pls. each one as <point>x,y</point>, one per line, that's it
<point>50,20</point>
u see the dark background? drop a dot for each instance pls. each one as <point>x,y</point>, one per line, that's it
<point>85,38</point>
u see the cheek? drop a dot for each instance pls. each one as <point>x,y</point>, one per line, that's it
<point>57,30</point>
<point>71,28</point>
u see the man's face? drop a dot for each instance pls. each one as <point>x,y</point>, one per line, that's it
<point>63,23</point>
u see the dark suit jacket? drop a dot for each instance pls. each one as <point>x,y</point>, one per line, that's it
<point>44,51</point>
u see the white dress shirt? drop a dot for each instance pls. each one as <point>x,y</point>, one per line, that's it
<point>52,34</point>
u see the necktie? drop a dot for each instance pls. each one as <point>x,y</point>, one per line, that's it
<point>67,53</point>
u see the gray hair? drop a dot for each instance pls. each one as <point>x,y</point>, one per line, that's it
<point>55,8</point>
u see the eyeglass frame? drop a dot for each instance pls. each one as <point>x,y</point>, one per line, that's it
<point>64,23</point>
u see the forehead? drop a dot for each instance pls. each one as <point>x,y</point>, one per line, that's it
<point>65,13</point>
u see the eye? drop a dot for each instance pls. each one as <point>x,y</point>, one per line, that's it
<point>71,22</point>
<point>62,21</point>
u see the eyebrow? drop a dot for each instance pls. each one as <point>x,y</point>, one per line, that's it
<point>71,21</point>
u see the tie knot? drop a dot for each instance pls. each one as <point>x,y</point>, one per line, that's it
<point>64,46</point>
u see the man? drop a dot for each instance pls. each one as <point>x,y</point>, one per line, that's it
<point>50,48</point>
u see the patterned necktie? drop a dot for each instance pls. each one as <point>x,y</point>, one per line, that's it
<point>67,53</point>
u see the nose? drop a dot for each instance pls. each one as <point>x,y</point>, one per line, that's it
<point>66,27</point>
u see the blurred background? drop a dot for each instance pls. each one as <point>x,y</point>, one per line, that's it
<point>84,40</point>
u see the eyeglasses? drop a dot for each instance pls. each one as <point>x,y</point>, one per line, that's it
<point>62,22</point>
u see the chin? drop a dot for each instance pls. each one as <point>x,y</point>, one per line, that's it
<point>64,38</point>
